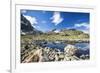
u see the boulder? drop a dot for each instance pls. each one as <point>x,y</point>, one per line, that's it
<point>61,57</point>
<point>51,55</point>
<point>70,50</point>
<point>82,57</point>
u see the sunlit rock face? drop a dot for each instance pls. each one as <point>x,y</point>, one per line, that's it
<point>70,50</point>
<point>33,53</point>
<point>25,25</point>
<point>27,28</point>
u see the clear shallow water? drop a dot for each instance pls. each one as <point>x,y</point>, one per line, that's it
<point>83,47</point>
<point>61,46</point>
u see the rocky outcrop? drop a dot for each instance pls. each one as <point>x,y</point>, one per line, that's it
<point>27,28</point>
<point>47,54</point>
<point>25,25</point>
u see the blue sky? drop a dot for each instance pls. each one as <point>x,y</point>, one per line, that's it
<point>48,20</point>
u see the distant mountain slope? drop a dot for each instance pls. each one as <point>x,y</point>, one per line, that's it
<point>25,25</point>
<point>72,32</point>
<point>27,28</point>
<point>68,33</point>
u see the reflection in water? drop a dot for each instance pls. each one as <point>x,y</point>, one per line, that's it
<point>83,47</point>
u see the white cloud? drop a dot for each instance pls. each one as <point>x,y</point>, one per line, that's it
<point>32,20</point>
<point>37,27</point>
<point>56,18</point>
<point>83,27</point>
<point>86,25</point>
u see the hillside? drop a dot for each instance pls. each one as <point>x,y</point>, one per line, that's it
<point>66,35</point>
<point>30,33</point>
<point>27,28</point>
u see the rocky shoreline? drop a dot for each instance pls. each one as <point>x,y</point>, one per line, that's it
<point>34,53</point>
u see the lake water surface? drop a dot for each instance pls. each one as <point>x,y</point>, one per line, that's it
<point>83,47</point>
<point>61,45</point>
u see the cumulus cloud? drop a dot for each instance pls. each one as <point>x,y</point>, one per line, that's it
<point>32,20</point>
<point>37,27</point>
<point>83,27</point>
<point>56,18</point>
<point>86,25</point>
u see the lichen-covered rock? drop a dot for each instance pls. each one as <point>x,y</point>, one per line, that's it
<point>61,56</point>
<point>69,53</point>
<point>51,55</point>
<point>70,50</point>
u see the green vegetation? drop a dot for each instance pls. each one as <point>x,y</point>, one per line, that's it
<point>63,35</point>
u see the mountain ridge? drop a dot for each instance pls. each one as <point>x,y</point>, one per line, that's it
<point>27,28</point>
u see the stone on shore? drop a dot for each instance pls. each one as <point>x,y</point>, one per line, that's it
<point>70,50</point>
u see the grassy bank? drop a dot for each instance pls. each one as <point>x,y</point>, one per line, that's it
<point>55,38</point>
